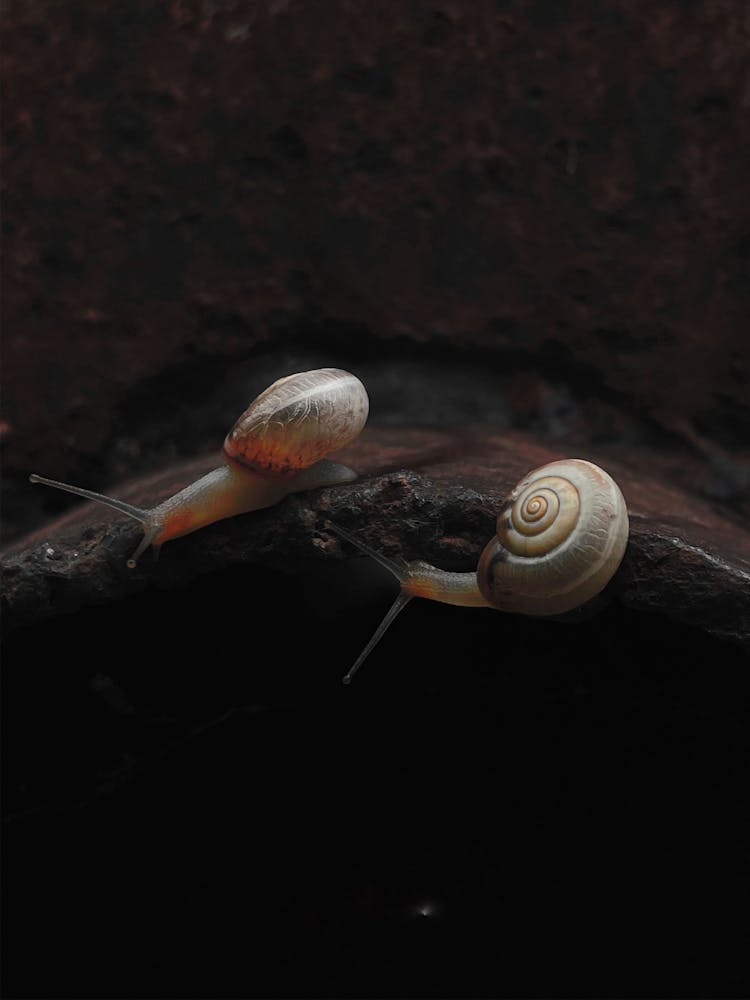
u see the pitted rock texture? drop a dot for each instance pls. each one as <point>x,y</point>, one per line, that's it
<point>421,495</point>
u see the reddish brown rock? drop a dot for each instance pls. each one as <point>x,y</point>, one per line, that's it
<point>421,494</point>
<point>552,188</point>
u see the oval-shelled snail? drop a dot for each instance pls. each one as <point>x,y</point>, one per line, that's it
<point>561,536</point>
<point>275,448</point>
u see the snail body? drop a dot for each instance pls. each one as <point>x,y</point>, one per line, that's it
<point>275,448</point>
<point>561,536</point>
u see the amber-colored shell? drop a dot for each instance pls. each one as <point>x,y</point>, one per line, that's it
<point>560,538</point>
<point>298,420</point>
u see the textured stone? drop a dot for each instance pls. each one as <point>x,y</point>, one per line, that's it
<point>421,494</point>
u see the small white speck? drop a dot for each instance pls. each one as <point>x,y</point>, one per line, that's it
<point>425,908</point>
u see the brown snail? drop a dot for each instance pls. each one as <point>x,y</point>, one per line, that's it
<point>275,448</point>
<point>560,538</point>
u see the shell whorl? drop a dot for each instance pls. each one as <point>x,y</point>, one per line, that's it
<point>560,538</point>
<point>298,420</point>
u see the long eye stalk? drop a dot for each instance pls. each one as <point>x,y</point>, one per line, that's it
<point>142,516</point>
<point>125,508</point>
<point>395,609</point>
<point>401,574</point>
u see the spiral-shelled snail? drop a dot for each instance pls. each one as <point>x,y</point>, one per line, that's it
<point>560,538</point>
<point>275,448</point>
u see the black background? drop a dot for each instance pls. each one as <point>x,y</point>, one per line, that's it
<point>195,805</point>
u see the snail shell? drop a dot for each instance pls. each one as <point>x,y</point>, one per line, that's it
<point>560,538</point>
<point>298,420</point>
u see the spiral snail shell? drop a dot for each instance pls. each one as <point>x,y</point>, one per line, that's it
<point>560,538</point>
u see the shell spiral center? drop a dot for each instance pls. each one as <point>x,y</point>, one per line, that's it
<point>541,516</point>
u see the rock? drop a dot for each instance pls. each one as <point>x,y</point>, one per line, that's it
<point>421,494</point>
<point>450,180</point>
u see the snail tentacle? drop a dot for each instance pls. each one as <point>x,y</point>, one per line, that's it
<point>275,448</point>
<point>560,538</point>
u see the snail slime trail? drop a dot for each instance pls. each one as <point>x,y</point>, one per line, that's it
<point>276,447</point>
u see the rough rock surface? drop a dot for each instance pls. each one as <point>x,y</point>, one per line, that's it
<point>421,494</point>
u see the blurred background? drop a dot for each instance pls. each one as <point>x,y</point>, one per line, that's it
<point>528,213</point>
<point>200,195</point>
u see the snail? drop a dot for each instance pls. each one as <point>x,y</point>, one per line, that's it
<point>561,536</point>
<point>275,448</point>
